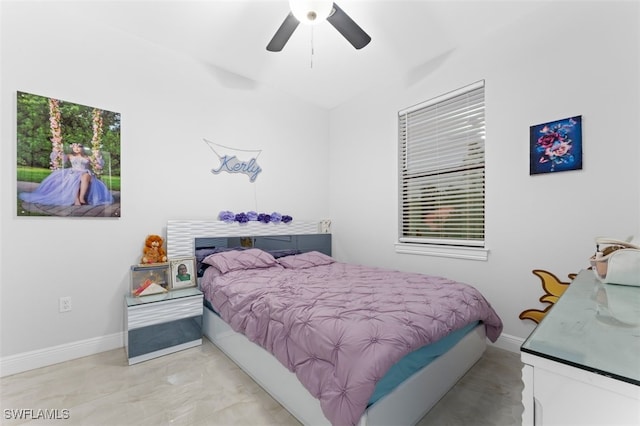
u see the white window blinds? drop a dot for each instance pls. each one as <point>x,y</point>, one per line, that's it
<point>441,144</point>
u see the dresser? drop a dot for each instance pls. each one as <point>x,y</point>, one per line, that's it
<point>582,362</point>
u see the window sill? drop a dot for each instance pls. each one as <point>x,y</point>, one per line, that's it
<point>469,253</point>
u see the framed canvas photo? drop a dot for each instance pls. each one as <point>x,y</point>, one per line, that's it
<point>183,272</point>
<point>68,159</point>
<point>556,146</point>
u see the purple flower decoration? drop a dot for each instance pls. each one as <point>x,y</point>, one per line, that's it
<point>226,216</point>
<point>242,218</point>
<point>276,217</point>
<point>264,218</point>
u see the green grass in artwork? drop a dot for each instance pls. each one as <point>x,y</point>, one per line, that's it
<point>35,174</point>
<point>32,174</point>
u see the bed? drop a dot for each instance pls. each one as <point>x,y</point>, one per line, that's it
<point>270,288</point>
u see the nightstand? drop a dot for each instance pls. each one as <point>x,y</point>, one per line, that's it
<point>161,324</point>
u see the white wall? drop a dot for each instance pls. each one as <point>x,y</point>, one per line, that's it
<point>169,103</point>
<point>570,58</point>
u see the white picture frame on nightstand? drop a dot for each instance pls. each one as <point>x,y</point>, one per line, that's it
<point>183,272</point>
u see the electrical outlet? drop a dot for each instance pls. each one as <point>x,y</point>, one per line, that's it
<point>65,304</point>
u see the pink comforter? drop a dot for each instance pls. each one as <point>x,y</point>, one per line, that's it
<point>340,327</point>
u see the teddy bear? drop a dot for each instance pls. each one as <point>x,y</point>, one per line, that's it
<point>153,251</point>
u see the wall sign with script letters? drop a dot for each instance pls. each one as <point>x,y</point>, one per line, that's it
<point>231,163</point>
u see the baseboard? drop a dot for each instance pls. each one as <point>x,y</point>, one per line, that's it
<point>509,343</point>
<point>14,364</point>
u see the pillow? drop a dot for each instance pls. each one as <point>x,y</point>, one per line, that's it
<point>283,252</point>
<point>210,272</point>
<point>203,252</point>
<point>236,260</point>
<point>305,260</point>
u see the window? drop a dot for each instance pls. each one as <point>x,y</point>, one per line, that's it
<point>441,170</point>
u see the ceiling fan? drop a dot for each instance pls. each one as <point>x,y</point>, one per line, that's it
<point>313,12</point>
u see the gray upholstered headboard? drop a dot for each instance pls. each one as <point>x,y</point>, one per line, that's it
<point>183,234</point>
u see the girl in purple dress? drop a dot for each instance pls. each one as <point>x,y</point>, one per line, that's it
<point>75,186</point>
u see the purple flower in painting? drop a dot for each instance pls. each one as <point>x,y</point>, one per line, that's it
<point>286,218</point>
<point>242,218</point>
<point>226,216</point>
<point>276,217</point>
<point>252,215</point>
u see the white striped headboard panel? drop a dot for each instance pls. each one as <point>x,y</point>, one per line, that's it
<point>181,234</point>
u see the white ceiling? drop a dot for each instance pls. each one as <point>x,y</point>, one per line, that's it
<point>230,36</point>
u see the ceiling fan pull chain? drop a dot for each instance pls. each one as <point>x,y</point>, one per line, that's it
<point>312,52</point>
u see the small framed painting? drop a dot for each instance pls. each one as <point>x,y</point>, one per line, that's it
<point>556,146</point>
<point>183,272</point>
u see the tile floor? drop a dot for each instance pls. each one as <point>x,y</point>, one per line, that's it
<point>201,386</point>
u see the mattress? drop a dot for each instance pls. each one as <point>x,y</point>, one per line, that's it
<point>410,363</point>
<point>350,333</point>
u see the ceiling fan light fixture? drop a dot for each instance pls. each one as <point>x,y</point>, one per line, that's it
<point>311,12</point>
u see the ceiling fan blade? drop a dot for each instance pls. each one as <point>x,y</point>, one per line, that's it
<point>348,28</point>
<point>283,34</point>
